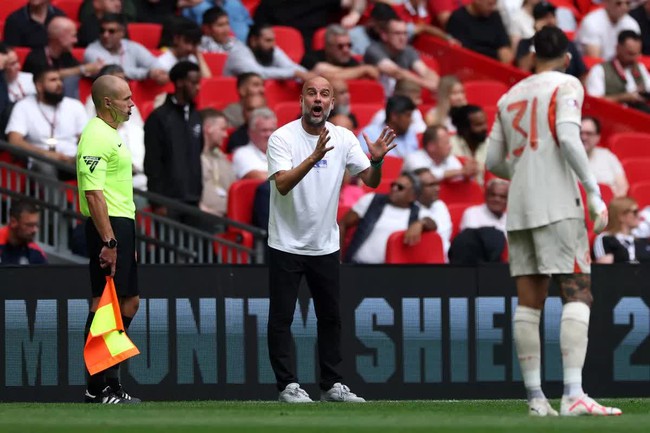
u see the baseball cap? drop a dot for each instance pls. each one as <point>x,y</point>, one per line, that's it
<point>542,9</point>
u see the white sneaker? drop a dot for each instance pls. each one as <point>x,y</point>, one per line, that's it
<point>585,405</point>
<point>340,393</point>
<point>541,407</point>
<point>293,393</point>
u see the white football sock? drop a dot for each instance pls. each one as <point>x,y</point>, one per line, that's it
<point>525,331</point>
<point>574,330</point>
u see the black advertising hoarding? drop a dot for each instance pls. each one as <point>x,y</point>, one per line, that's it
<point>413,332</point>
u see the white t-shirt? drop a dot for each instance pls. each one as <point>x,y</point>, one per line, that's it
<point>304,220</point>
<point>33,120</point>
<point>167,60</point>
<point>248,158</point>
<point>479,216</point>
<point>391,220</point>
<point>417,121</point>
<point>421,159</point>
<point>595,83</point>
<point>544,188</point>
<point>21,87</point>
<point>522,25</point>
<point>597,29</point>
<point>439,212</point>
<point>605,166</point>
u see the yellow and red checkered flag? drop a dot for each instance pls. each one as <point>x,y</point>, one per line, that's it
<point>107,342</point>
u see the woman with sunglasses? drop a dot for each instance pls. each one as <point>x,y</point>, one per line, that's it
<point>617,244</point>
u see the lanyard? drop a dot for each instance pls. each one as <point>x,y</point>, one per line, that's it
<point>52,122</point>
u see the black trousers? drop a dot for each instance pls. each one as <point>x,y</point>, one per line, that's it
<point>285,273</point>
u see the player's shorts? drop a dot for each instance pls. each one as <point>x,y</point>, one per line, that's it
<point>126,271</point>
<point>561,247</point>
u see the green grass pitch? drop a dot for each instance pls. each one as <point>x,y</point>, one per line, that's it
<point>500,416</point>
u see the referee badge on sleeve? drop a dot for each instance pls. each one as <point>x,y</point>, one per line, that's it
<point>91,162</point>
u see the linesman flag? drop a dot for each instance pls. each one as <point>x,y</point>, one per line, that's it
<point>107,342</point>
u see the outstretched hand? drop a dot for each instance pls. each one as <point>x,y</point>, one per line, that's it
<point>383,145</point>
<point>321,145</point>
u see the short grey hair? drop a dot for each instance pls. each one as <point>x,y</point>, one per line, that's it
<point>260,113</point>
<point>496,182</point>
<point>334,30</point>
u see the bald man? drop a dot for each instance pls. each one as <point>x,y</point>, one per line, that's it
<point>307,159</point>
<point>106,198</point>
<point>61,38</point>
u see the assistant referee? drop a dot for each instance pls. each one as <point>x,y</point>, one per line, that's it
<point>104,174</point>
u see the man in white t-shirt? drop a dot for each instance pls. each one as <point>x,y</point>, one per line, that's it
<point>48,123</point>
<point>599,29</point>
<point>436,156</point>
<point>433,207</point>
<point>249,161</point>
<point>492,213</point>
<point>185,46</point>
<point>540,151</point>
<point>307,159</point>
<point>602,162</point>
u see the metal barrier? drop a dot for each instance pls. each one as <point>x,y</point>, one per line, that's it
<point>160,240</point>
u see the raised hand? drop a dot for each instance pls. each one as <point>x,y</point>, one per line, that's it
<point>321,145</point>
<point>383,145</point>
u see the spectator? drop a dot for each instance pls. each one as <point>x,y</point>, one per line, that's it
<point>642,16</point>
<point>399,111</point>
<point>217,33</point>
<point>262,56</point>
<point>414,93</point>
<point>26,27</point>
<point>217,171</point>
<point>362,36</point>
<point>492,213</point>
<point>248,83</point>
<point>451,94</point>
<point>186,37</point>
<point>249,161</point>
<point>19,84</point>
<point>88,8</point>
<point>61,37</point>
<point>436,209</point>
<point>617,244</point>
<point>17,246</point>
<point>343,103</point>
<point>174,142</point>
<point>436,157</point>
<point>47,123</point>
<point>344,120</point>
<point>603,163</point>
<point>598,31</point>
<point>624,79</point>
<point>89,30</point>
<point>544,14</point>
<point>478,27</point>
<point>377,216</point>
<point>470,141</point>
<point>336,61</point>
<point>5,104</point>
<point>521,25</point>
<point>240,19</point>
<point>131,132</point>
<point>398,60</point>
<point>157,11</point>
<point>416,15</point>
<point>240,136</point>
<point>112,48</point>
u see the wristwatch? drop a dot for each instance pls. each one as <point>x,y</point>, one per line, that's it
<point>112,243</point>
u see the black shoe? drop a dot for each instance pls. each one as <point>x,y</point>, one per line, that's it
<point>107,396</point>
<point>119,391</point>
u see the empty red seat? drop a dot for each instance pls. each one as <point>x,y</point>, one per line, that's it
<point>429,250</point>
<point>366,92</point>
<point>147,90</point>
<point>217,92</point>
<point>590,61</point>
<point>215,62</point>
<point>230,254</point>
<point>290,40</point>
<point>277,91</point>
<point>241,196</point>
<point>628,145</point>
<point>456,211</point>
<point>469,192</point>
<point>318,40</point>
<point>365,112</point>
<point>637,169</point>
<point>382,188</point>
<point>7,7</point>
<point>640,192</point>
<point>147,34</point>
<point>484,92</point>
<point>286,112</point>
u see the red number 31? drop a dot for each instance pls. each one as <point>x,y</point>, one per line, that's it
<point>520,107</point>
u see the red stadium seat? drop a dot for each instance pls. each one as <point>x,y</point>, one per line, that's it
<point>240,200</point>
<point>145,109</point>
<point>628,145</point>
<point>429,250</point>
<point>290,40</point>
<point>382,188</point>
<point>147,34</point>
<point>215,62</point>
<point>277,91</point>
<point>484,92</point>
<point>468,192</point>
<point>364,113</point>
<point>2,28</point>
<point>147,90</point>
<point>590,62</point>
<point>645,60</point>
<point>286,112</point>
<point>456,211</point>
<point>431,62</point>
<point>318,40</point>
<point>70,7</point>
<point>78,53</point>
<point>85,86</point>
<point>391,168</point>
<point>640,192</point>
<point>341,212</point>
<point>366,92</point>
<point>232,255</point>
<point>251,5</point>
<point>217,92</point>
<point>7,7</point>
<point>637,169</point>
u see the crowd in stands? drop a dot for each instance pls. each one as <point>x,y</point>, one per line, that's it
<point>212,80</point>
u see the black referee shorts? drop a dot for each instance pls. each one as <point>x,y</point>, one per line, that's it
<point>126,272</point>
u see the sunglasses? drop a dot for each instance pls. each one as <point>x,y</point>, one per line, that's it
<point>398,186</point>
<point>621,3</point>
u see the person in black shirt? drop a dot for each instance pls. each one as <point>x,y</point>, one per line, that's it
<point>26,27</point>
<point>90,23</point>
<point>642,16</point>
<point>17,246</point>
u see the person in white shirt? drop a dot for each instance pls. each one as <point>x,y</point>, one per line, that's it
<point>19,84</point>
<point>437,157</point>
<point>412,91</point>
<point>624,79</point>
<point>596,36</point>
<point>535,143</point>
<point>307,160</point>
<point>47,123</point>
<point>492,213</point>
<point>433,207</point>
<point>217,35</point>
<point>602,162</point>
<point>249,161</point>
<point>185,46</point>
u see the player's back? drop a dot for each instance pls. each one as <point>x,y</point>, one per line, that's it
<point>544,187</point>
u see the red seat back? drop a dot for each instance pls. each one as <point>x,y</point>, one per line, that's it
<point>456,211</point>
<point>364,113</point>
<point>286,112</point>
<point>637,169</point>
<point>277,91</point>
<point>147,34</point>
<point>7,7</point>
<point>627,145</point>
<point>429,250</point>
<point>241,196</point>
<point>147,90</point>
<point>290,40</point>
<point>229,254</point>
<point>484,92</point>
<point>217,92</point>
<point>468,192</point>
<point>366,92</point>
<point>640,192</point>
<point>318,40</point>
<point>215,62</point>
